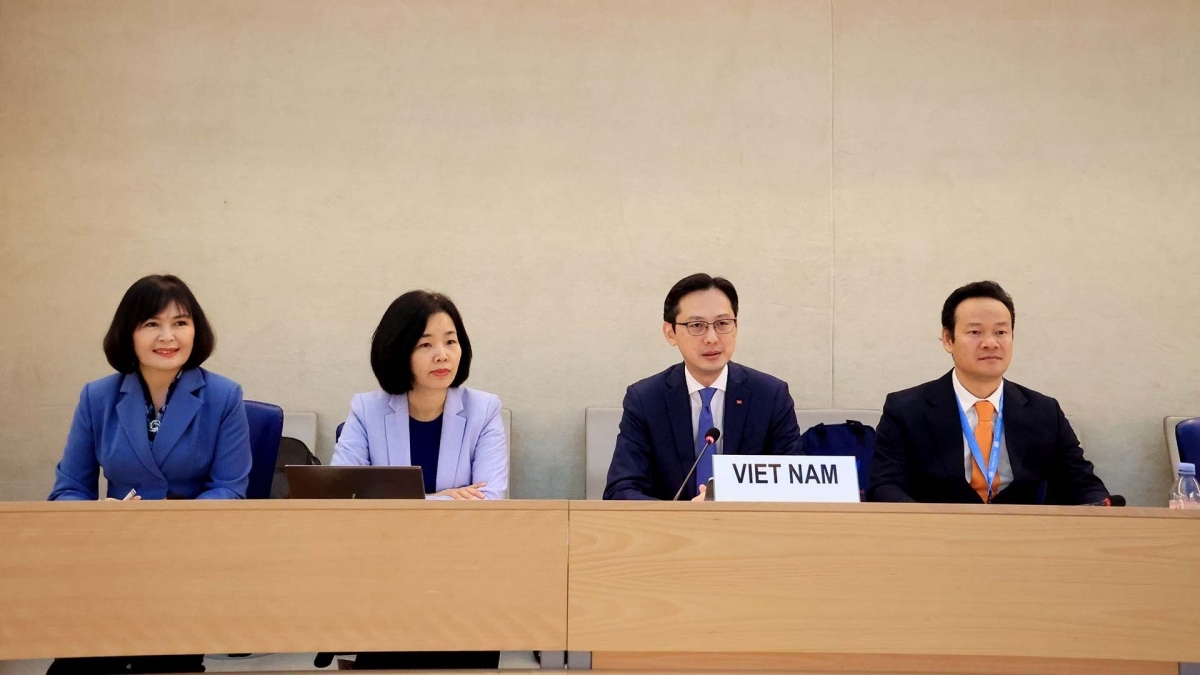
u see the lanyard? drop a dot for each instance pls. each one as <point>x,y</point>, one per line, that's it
<point>993,464</point>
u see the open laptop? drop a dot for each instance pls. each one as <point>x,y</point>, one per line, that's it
<point>355,482</point>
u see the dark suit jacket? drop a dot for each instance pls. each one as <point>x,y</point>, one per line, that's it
<point>655,448</point>
<point>919,450</point>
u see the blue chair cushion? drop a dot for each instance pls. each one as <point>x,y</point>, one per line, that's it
<point>1187,434</point>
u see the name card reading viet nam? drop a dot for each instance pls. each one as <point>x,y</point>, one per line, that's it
<point>784,478</point>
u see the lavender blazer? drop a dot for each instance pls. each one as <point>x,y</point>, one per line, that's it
<point>474,448</point>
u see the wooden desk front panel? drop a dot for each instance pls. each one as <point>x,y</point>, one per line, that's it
<point>280,576</point>
<point>671,663</point>
<point>884,579</point>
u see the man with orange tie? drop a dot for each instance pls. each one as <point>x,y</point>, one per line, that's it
<point>971,436</point>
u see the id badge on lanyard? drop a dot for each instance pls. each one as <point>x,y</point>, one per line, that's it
<point>993,464</point>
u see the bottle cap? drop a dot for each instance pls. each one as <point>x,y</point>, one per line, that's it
<point>1187,469</point>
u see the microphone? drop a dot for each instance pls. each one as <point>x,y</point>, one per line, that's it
<point>710,438</point>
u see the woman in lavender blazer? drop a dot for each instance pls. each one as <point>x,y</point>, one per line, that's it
<point>423,416</point>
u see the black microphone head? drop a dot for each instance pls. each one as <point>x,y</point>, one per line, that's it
<point>712,435</point>
<point>1116,500</point>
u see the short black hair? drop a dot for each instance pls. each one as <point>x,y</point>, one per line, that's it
<point>145,299</point>
<point>401,328</point>
<point>697,282</point>
<point>975,289</point>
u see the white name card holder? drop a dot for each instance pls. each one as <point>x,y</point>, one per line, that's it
<point>784,478</point>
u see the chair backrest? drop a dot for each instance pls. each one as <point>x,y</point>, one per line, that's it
<point>301,426</point>
<point>1169,424</point>
<point>506,417</point>
<point>266,428</point>
<point>600,427</point>
<point>1187,440</point>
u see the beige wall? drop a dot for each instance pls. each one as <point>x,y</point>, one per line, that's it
<point>555,166</point>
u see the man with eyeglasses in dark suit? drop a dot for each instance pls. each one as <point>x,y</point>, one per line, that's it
<point>666,416</point>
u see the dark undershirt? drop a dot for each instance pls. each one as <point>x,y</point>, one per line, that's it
<point>154,417</point>
<point>424,441</point>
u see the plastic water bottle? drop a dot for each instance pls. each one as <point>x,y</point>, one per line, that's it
<point>1186,493</point>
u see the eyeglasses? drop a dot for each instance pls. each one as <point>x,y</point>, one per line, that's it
<point>698,328</point>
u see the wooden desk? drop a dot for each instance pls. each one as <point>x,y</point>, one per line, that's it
<point>280,576</point>
<point>922,588</point>
<point>651,587</point>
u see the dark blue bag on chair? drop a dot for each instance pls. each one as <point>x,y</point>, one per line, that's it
<point>851,439</point>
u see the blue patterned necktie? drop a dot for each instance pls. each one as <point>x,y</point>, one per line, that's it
<point>704,469</point>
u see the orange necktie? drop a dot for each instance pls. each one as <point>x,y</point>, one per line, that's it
<point>983,436</point>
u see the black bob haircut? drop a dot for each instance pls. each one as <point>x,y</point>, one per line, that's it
<point>691,284</point>
<point>401,329</point>
<point>145,299</point>
<point>975,289</point>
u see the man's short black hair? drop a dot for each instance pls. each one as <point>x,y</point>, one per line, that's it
<point>145,299</point>
<point>697,282</point>
<point>401,328</point>
<point>975,289</point>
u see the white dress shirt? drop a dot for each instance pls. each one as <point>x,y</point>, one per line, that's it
<point>966,401</point>
<point>716,405</point>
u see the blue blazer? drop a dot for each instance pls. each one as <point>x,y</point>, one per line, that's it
<point>201,451</point>
<point>655,447</point>
<point>473,449</point>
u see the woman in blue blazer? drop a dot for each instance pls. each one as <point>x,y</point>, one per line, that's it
<point>423,416</point>
<point>162,427</point>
